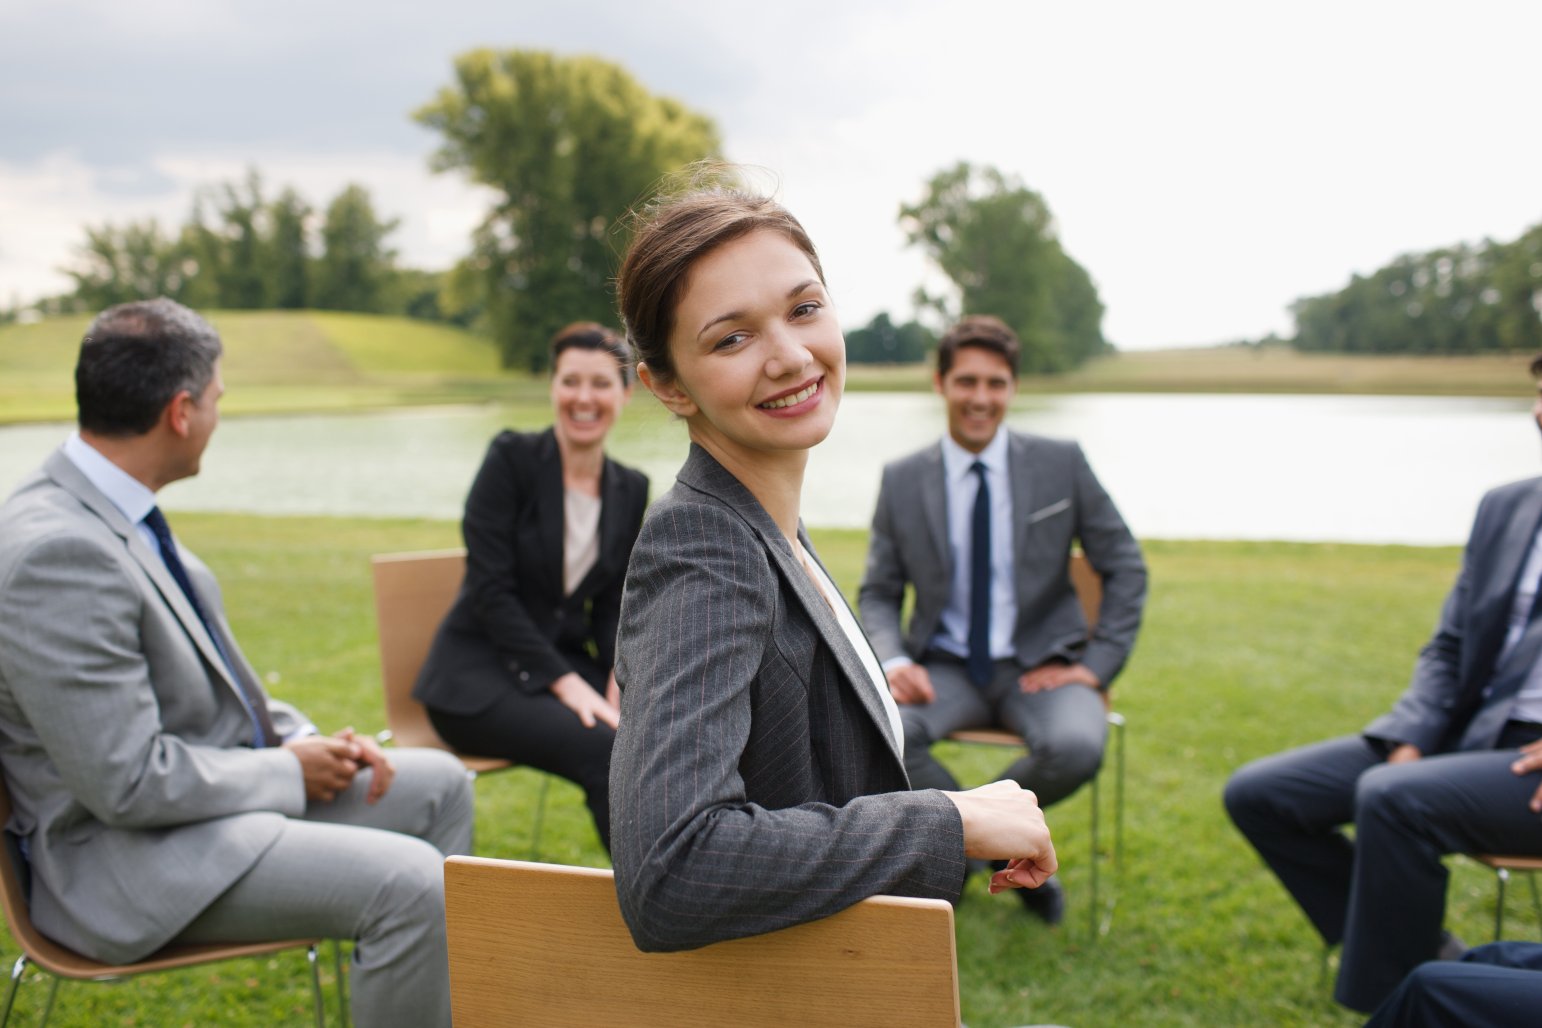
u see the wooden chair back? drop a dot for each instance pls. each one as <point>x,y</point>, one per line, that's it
<point>413,593</point>
<point>545,944</point>
<point>1089,587</point>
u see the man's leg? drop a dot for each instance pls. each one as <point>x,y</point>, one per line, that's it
<point>1407,816</point>
<point>1065,729</point>
<point>957,705</point>
<point>383,889</point>
<point>430,798</point>
<point>1492,986</point>
<point>1291,807</point>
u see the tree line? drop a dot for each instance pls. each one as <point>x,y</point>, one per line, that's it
<point>242,249</point>
<point>1455,300</point>
<point>569,145</point>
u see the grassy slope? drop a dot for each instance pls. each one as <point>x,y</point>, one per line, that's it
<point>281,361</point>
<point>1248,648</point>
<point>1240,370</point>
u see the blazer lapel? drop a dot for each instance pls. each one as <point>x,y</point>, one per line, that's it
<point>1022,496</point>
<point>702,472</point>
<point>934,509</point>
<point>550,500</point>
<point>69,477</point>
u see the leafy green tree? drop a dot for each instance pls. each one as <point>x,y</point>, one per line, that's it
<point>287,259</point>
<point>116,265</point>
<point>568,144</point>
<point>239,273</point>
<point>355,269</point>
<point>995,239</point>
<point>881,341</point>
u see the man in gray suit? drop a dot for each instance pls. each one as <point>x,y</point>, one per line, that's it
<point>980,526</point>
<point>1452,768</point>
<point>159,795</point>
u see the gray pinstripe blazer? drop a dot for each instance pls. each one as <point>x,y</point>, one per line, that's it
<point>754,784</point>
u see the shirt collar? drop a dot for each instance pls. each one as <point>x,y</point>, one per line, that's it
<point>131,496</point>
<point>956,460</point>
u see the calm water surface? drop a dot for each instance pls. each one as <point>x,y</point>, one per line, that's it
<point>1352,469</point>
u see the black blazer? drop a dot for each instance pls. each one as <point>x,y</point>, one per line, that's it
<point>754,782</point>
<point>511,626</point>
<point>1448,705</point>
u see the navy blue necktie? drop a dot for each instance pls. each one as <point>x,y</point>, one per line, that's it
<point>980,583</point>
<point>256,705</point>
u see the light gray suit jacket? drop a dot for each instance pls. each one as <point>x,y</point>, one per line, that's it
<point>754,783</point>
<point>123,741</point>
<point>1056,500</point>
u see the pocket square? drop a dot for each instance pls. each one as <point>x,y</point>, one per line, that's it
<point>1050,511</point>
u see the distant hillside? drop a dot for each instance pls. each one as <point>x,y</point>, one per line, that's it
<point>282,361</point>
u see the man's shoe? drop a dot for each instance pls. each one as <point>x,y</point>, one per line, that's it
<point>1047,902</point>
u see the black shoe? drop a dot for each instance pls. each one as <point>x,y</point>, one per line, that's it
<point>1047,902</point>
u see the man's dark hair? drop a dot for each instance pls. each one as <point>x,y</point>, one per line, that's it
<point>1536,366</point>
<point>982,330</point>
<point>135,358</point>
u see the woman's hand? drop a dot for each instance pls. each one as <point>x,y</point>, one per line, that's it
<point>578,696</point>
<point>1002,821</point>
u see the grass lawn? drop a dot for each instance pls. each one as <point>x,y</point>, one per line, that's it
<point>1248,648</point>
<point>292,361</point>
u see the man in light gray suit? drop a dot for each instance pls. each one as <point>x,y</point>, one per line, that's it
<point>980,526</point>
<point>159,795</point>
<point>1454,767</point>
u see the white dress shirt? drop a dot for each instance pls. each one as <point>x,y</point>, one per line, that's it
<point>963,485</point>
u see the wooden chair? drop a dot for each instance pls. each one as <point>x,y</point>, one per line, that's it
<point>1503,867</point>
<point>413,593</point>
<point>1089,591</point>
<point>61,963</point>
<point>539,944</point>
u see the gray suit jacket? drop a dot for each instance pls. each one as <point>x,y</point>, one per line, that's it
<point>1056,500</point>
<point>1448,705</point>
<point>754,783</point>
<point>123,741</point>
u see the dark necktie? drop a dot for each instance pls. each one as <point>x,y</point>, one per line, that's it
<point>980,582</point>
<point>1508,680</point>
<point>257,707</point>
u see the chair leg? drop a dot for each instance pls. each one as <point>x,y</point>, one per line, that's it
<point>1503,875</point>
<point>1093,908</point>
<point>342,983</point>
<point>321,1006</point>
<point>1117,720</point>
<point>17,971</point>
<point>540,818</point>
<point>48,1007</point>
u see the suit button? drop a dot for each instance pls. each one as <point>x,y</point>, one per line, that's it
<point>524,676</point>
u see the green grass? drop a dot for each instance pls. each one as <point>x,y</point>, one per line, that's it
<point>282,361</point>
<point>292,361</point>
<point>1244,370</point>
<point>1247,648</point>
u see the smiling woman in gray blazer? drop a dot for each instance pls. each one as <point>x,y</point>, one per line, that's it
<point>758,780</point>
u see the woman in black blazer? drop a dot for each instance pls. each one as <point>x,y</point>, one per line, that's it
<point>521,666</point>
<point>758,780</point>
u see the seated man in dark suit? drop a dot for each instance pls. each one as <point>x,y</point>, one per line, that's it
<point>980,526</point>
<point>1452,768</point>
<point>158,793</point>
<point>1493,986</point>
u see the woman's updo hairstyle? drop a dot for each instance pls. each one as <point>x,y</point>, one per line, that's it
<point>707,208</point>
<point>591,335</point>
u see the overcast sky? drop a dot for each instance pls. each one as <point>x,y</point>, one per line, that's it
<point>1207,162</point>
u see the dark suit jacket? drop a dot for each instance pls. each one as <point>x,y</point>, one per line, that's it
<point>511,626</point>
<point>1446,696</point>
<point>754,783</point>
<point>1056,500</point>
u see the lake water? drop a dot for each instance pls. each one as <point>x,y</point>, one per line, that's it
<point>1314,468</point>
